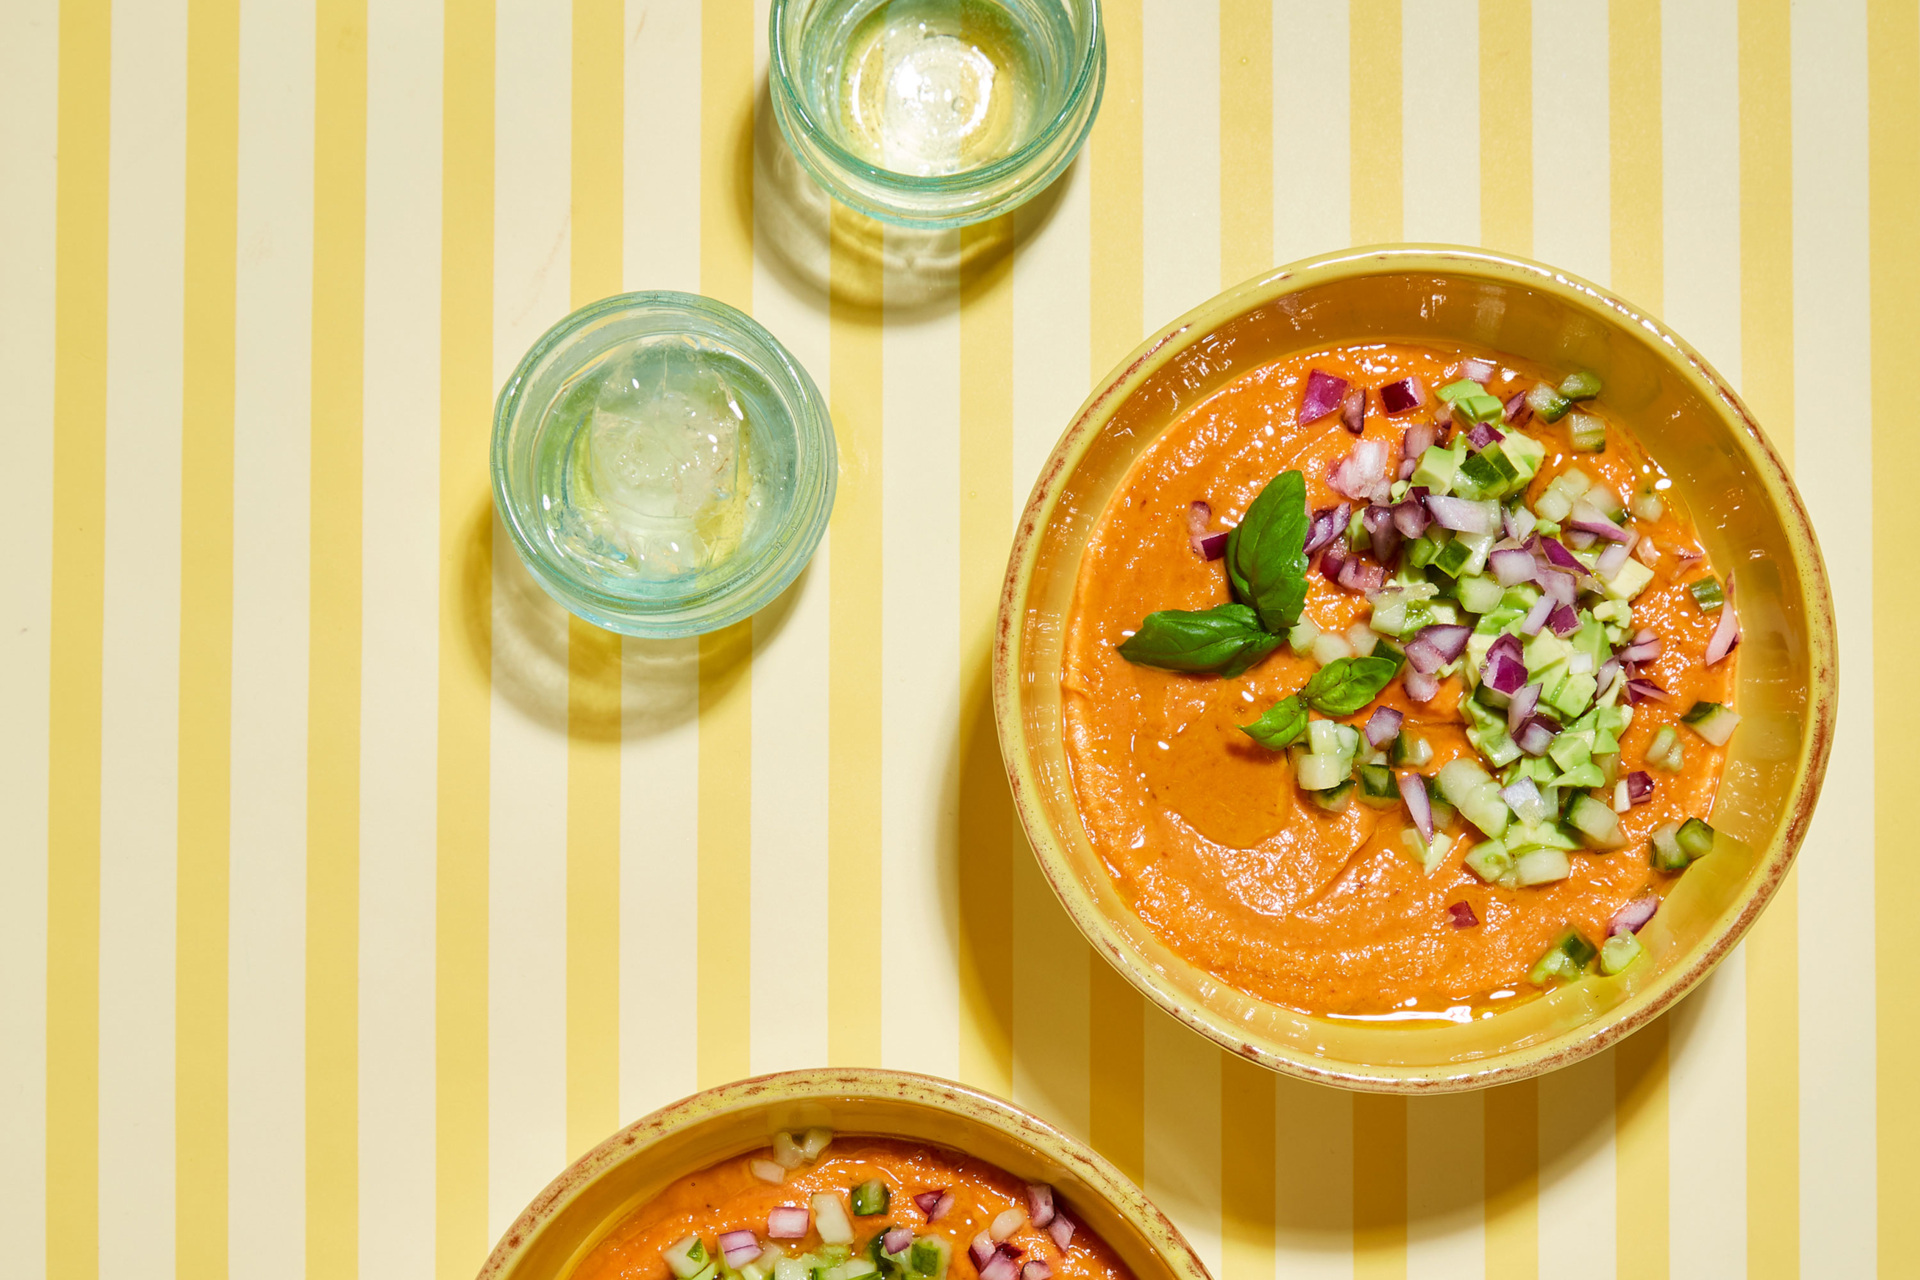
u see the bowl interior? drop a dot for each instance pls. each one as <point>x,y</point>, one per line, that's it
<point>582,1205</point>
<point>1749,518</point>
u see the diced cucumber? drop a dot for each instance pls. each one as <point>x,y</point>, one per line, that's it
<point>1648,507</point>
<point>830,1219</point>
<point>1526,454</point>
<point>1667,855</point>
<point>1581,776</point>
<point>1543,654</point>
<point>1479,594</point>
<point>1329,648</point>
<point>1485,809</point>
<point>687,1258</point>
<point>1454,557</point>
<point>1712,721</point>
<point>1318,771</point>
<point>1436,469</point>
<point>1541,866</point>
<point>870,1198</point>
<point>1361,639</point>
<point>1695,838</point>
<point>800,1268</point>
<point>1707,594</point>
<point>1546,834</point>
<point>1490,861</point>
<point>1599,824</point>
<point>1582,385</point>
<point>929,1256</point>
<point>1564,961</point>
<point>1547,404</point>
<point>1411,749</point>
<point>1458,778</point>
<point>1482,474</point>
<point>1389,613</point>
<point>1301,636</point>
<point>1629,580</point>
<point>1480,546</point>
<point>1444,814</point>
<point>1334,799</point>
<point>1571,749</point>
<point>1572,695</point>
<point>1664,752</point>
<point>1377,786</point>
<point>1523,797</point>
<point>1357,536</point>
<point>1324,738</point>
<point>1422,550</point>
<point>1552,507</point>
<point>1619,951</point>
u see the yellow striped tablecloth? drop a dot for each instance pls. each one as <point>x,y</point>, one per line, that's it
<point>348,889</point>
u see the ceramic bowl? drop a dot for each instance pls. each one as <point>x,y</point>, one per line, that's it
<point>585,1202</point>
<point>1750,518</point>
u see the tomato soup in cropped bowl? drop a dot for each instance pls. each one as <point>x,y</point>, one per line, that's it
<point>1415,669</point>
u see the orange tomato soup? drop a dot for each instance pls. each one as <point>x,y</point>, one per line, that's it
<point>1203,830</point>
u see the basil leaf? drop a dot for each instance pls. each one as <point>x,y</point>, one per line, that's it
<point>1266,560</point>
<point>1226,639</point>
<point>1345,685</point>
<point>1282,726</point>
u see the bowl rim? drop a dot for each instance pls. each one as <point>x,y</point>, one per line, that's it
<point>1608,308</point>
<point>931,1093</point>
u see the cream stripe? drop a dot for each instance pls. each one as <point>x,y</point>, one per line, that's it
<point>266,968</point>
<point>1446,1154</point>
<point>919,647</point>
<point>1312,161</point>
<point>27,96</point>
<point>1180,157</point>
<point>1700,175</point>
<point>1440,120</point>
<point>1570,197</point>
<point>399,559</point>
<point>1183,1130</point>
<point>1314,1178</point>
<point>1576,1170</point>
<point>659,839</point>
<point>140,673</point>
<point>1832,269</point>
<point>526,925</point>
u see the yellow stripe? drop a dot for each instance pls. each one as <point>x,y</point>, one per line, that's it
<point>986,824</point>
<point>1893,147</point>
<point>79,568</point>
<point>1246,138</point>
<point>1373,43</point>
<point>1379,1187</point>
<point>1766,361</point>
<point>1506,125</point>
<point>1116,1095</point>
<point>1512,1181</point>
<point>206,638</point>
<point>466,643</point>
<point>726,657</point>
<point>853,639</point>
<point>334,638</point>
<point>1249,1161</point>
<point>593,655</point>
<point>1640,1063</point>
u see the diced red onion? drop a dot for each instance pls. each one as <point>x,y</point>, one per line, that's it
<point>1353,410</point>
<point>1061,1229</point>
<point>1537,616</point>
<point>1006,1224</point>
<point>1610,560</point>
<point>1727,633</point>
<point>1382,727</point>
<point>981,1250</point>
<point>1420,686</point>
<point>1511,567</point>
<point>1334,560</point>
<point>943,1208</point>
<point>1363,576</point>
<point>1639,691</point>
<point>1413,790</point>
<point>1558,556</point>
<point>1410,518</point>
<point>1199,516</point>
<point>1463,516</point>
<point>1442,421</point>
<point>1518,522</point>
<point>1559,586</point>
<point>1355,475</point>
<point>1035,1270</point>
<point>927,1201</point>
<point>1639,787</point>
<point>1536,735</point>
<point>1522,705</point>
<point>1461,914</point>
<point>1398,397</point>
<point>1039,1203</point>
<point>1448,639</point>
<point>1483,434</point>
<point>1644,647</point>
<point>999,1267</point>
<point>1407,467</point>
<point>1008,1249</point>
<point>1518,410</point>
<point>1503,671</point>
<point>1419,436</point>
<point>1580,540</point>
<point>1385,535</point>
<point>1603,679</point>
<point>1563,620</point>
<point>1382,493</point>
<point>1587,518</point>
<point>1214,545</point>
<point>1633,917</point>
<point>739,1248</point>
<point>1480,371</point>
<point>896,1240</point>
<point>1323,396</point>
<point>789,1222</point>
<point>1328,524</point>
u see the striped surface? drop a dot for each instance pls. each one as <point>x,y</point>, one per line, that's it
<point>348,888</point>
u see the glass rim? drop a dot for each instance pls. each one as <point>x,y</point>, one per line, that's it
<point>1088,64</point>
<point>788,546</point>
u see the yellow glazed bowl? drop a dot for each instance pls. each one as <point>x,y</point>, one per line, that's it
<point>1750,518</point>
<point>584,1203</point>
